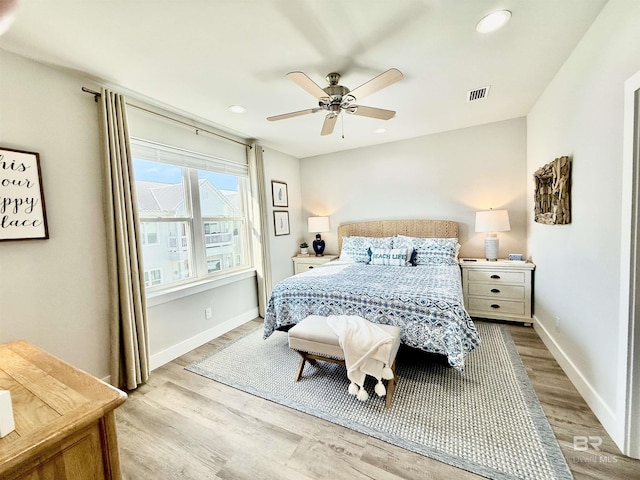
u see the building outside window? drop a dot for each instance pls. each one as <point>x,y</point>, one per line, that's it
<point>193,218</point>
<point>152,277</point>
<point>149,234</point>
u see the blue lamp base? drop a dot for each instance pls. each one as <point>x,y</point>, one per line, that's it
<point>318,246</point>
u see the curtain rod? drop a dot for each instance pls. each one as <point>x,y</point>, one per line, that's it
<point>96,95</point>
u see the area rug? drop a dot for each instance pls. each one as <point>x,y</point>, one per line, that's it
<point>486,420</point>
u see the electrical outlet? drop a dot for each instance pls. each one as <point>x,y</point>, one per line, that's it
<point>208,313</point>
<point>557,323</point>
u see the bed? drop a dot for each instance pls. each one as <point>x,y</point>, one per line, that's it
<point>394,272</point>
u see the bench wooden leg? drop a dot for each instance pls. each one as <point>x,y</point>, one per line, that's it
<point>300,367</point>
<point>391,385</point>
<point>311,358</point>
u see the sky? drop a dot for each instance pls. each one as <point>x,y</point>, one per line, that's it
<point>165,173</point>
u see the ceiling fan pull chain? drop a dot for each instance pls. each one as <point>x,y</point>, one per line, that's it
<point>342,123</point>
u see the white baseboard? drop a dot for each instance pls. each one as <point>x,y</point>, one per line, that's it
<point>165,356</point>
<point>599,407</point>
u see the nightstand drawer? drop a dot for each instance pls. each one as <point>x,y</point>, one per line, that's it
<point>489,305</point>
<point>303,267</point>
<point>514,292</point>
<point>303,263</point>
<point>496,276</point>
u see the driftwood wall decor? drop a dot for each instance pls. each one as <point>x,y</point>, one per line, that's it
<point>553,192</point>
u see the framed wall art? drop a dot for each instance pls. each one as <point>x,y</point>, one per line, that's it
<point>279,194</point>
<point>281,222</point>
<point>22,211</point>
<point>553,192</point>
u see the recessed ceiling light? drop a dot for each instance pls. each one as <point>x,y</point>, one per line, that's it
<point>493,21</point>
<point>380,130</point>
<point>237,109</point>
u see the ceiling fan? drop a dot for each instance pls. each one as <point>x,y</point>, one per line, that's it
<point>337,99</point>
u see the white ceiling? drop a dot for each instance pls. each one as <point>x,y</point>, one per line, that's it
<point>200,56</point>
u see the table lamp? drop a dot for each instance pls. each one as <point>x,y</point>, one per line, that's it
<point>317,225</point>
<point>492,221</point>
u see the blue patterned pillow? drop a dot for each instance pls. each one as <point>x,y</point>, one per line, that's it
<point>430,251</point>
<point>399,257</point>
<point>356,249</point>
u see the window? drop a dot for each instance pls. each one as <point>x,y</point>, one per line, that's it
<point>192,208</point>
<point>152,277</point>
<point>149,234</point>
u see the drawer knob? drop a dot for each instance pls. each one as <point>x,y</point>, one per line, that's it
<point>494,305</point>
<point>495,276</point>
<point>310,267</point>
<point>495,290</point>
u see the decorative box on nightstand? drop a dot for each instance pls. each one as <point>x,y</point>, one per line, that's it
<point>302,263</point>
<point>502,290</point>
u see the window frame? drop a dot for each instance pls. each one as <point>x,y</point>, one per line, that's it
<point>191,164</point>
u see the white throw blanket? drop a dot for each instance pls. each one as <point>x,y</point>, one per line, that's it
<point>366,349</point>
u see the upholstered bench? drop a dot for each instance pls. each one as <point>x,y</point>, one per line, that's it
<point>314,339</point>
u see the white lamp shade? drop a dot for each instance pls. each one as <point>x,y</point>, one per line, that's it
<point>492,221</point>
<point>318,224</point>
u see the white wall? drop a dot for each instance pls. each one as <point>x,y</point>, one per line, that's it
<point>179,325</point>
<point>284,168</point>
<point>578,276</point>
<point>54,292</point>
<point>446,176</point>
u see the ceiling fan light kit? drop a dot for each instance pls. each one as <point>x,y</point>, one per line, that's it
<point>336,98</point>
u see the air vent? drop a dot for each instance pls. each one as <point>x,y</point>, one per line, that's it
<point>478,93</point>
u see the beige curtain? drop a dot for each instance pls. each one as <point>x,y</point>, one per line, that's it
<point>128,313</point>
<point>259,229</point>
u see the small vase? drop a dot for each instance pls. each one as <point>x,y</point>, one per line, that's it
<point>318,246</point>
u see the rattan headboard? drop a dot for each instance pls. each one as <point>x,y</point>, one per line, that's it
<point>389,228</point>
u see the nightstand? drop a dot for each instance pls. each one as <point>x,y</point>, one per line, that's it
<point>302,263</point>
<point>502,290</point>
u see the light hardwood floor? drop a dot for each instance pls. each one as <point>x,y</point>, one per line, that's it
<point>183,426</point>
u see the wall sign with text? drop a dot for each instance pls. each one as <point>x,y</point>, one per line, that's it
<point>22,212</point>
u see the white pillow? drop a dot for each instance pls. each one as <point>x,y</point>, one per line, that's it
<point>430,251</point>
<point>356,249</point>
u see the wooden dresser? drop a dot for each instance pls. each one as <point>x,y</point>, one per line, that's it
<point>64,418</point>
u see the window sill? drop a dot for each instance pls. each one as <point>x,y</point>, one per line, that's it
<point>181,291</point>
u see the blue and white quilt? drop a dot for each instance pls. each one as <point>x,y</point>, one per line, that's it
<point>426,302</point>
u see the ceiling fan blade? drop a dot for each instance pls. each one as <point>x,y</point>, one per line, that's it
<point>309,85</point>
<point>293,114</point>
<point>377,83</point>
<point>379,113</point>
<point>329,124</point>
